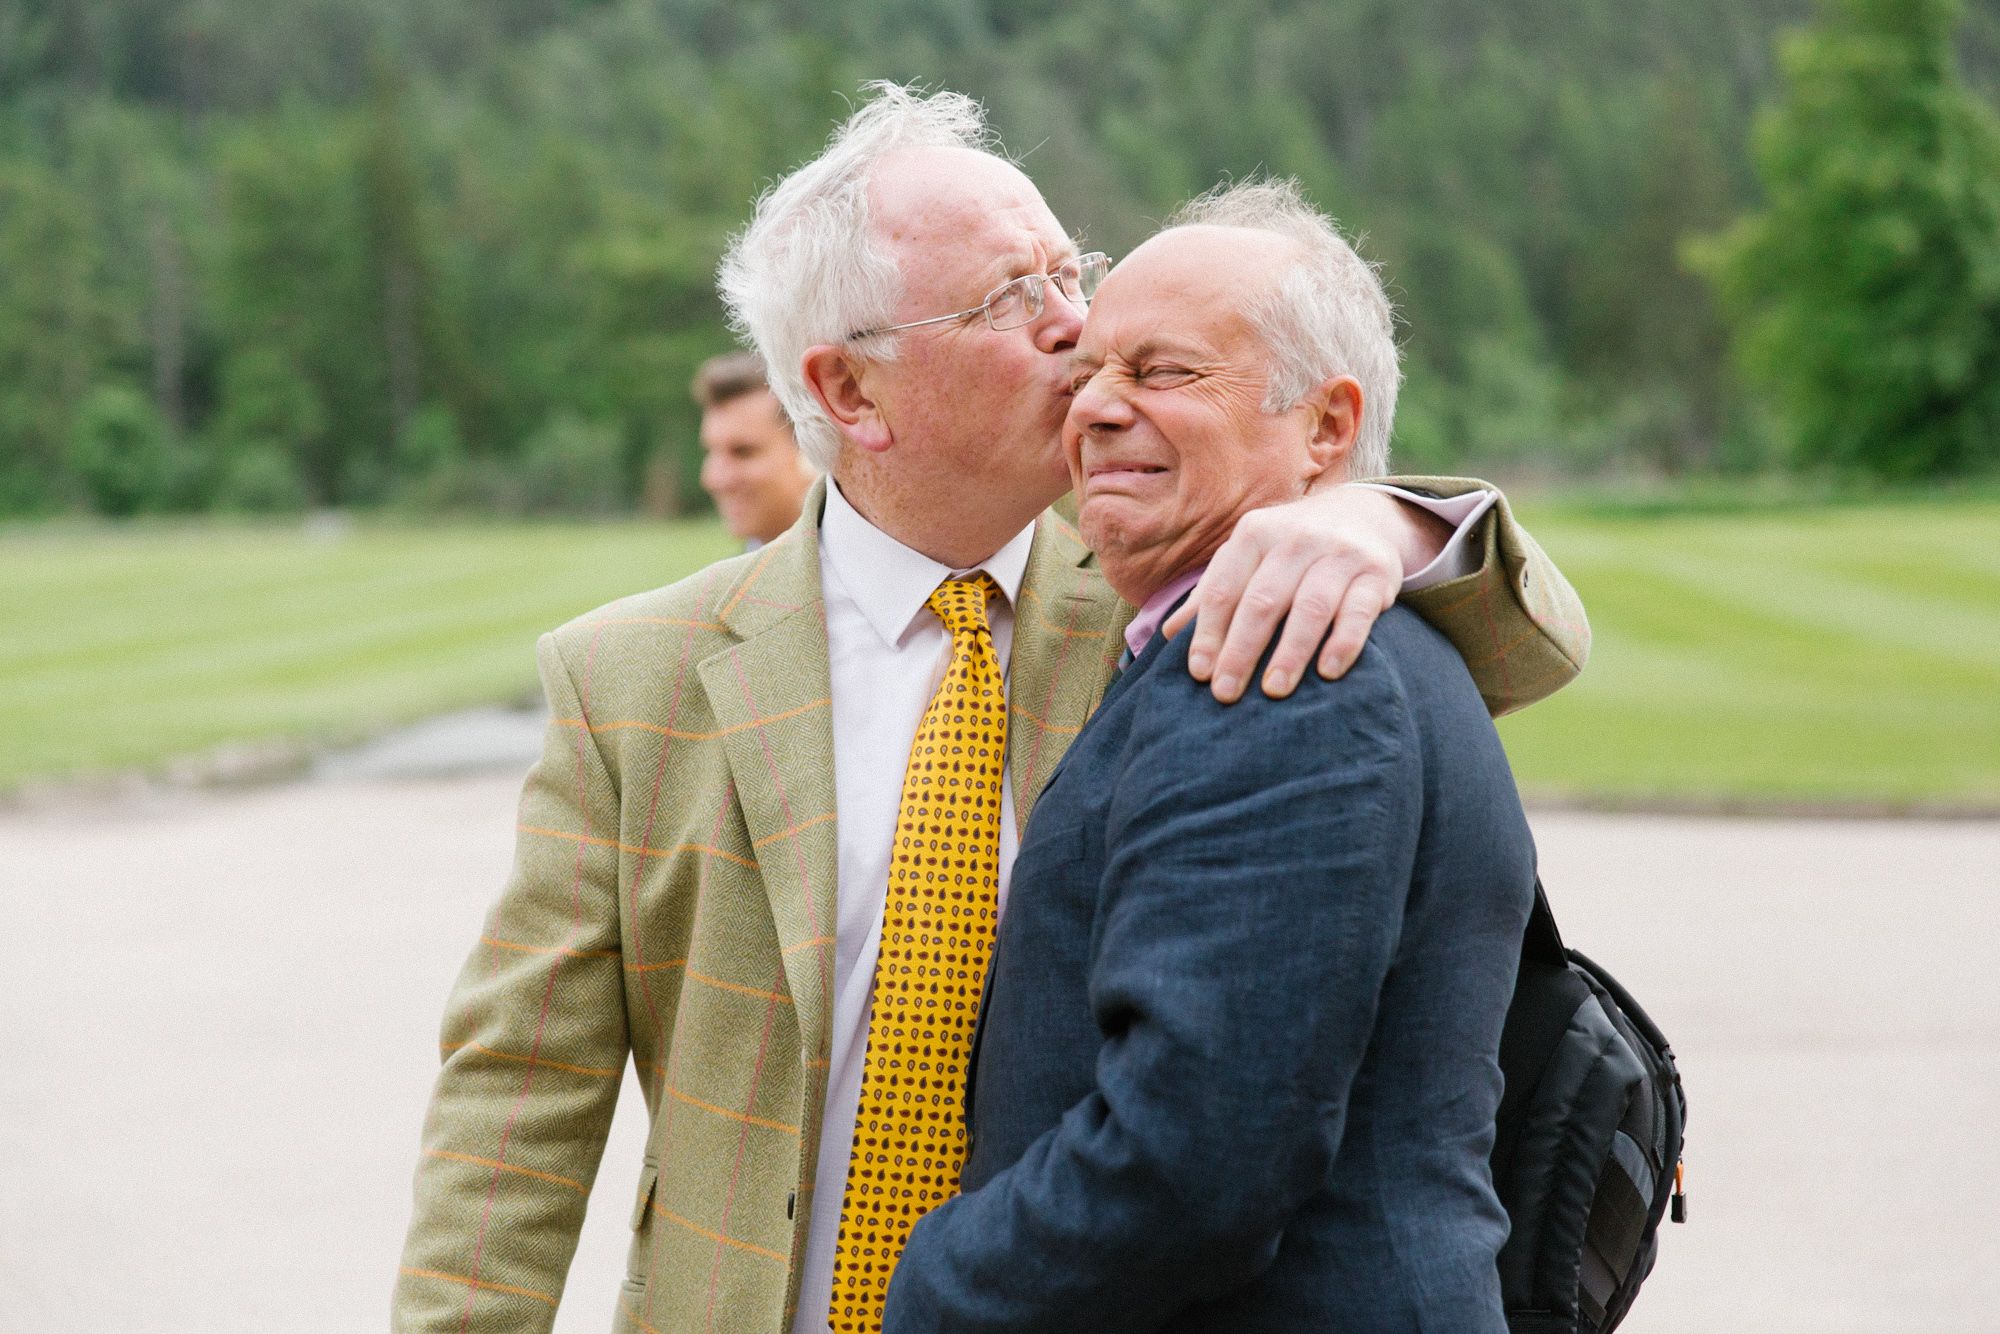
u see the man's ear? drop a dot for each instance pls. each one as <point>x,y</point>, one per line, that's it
<point>1335,406</point>
<point>835,377</point>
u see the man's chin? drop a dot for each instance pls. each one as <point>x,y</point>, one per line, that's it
<point>1108,525</point>
<point>1112,507</point>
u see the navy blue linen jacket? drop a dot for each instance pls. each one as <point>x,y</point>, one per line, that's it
<point>1237,1065</point>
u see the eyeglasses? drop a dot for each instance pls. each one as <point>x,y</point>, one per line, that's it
<point>1019,301</point>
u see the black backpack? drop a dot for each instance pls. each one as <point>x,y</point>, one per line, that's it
<point>1588,1149</point>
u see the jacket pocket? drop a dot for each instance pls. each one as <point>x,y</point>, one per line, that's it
<point>632,1306</point>
<point>643,1205</point>
<point>639,1255</point>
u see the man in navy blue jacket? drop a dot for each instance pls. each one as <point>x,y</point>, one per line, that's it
<point>1237,1067</point>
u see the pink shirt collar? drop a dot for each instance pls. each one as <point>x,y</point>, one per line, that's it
<point>1140,631</point>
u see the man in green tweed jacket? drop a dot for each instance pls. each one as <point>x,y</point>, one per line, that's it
<point>678,882</point>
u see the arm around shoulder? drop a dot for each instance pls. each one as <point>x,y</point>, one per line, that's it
<point>534,1043</point>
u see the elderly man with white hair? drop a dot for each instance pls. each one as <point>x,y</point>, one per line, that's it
<point>1238,1066</point>
<point>765,849</point>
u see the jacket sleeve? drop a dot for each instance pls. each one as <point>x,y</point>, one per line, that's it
<point>1515,620</point>
<point>534,1045</point>
<point>1256,868</point>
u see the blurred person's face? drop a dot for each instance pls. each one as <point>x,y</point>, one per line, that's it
<point>1167,440</point>
<point>752,466</point>
<point>972,415</point>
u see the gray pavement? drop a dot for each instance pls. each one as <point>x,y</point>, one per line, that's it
<point>222,1010</point>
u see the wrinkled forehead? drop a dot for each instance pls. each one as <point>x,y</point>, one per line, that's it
<point>927,203</point>
<point>1197,281</point>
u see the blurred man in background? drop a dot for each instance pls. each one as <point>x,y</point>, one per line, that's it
<point>751,465</point>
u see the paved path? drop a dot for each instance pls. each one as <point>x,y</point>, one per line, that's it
<point>221,1009</point>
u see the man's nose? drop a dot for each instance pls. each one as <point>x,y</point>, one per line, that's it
<point>1098,407</point>
<point>1062,319</point>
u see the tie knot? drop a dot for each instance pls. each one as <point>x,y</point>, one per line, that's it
<point>961,603</point>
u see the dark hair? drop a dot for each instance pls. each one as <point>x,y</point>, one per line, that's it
<point>731,375</point>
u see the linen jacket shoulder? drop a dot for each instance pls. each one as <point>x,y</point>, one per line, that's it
<point>672,899</point>
<point>1515,619</point>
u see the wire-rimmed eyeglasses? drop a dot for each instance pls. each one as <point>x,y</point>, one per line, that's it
<point>1019,301</point>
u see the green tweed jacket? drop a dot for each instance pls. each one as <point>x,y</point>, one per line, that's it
<point>673,899</point>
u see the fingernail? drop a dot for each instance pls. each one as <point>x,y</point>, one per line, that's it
<point>1226,687</point>
<point>1276,683</point>
<point>1200,664</point>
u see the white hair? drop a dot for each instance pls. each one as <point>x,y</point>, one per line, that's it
<point>808,270</point>
<point>1327,315</point>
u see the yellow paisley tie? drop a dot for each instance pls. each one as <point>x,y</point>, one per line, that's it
<point>937,935</point>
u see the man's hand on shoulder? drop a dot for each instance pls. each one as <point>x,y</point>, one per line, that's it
<point>1334,558</point>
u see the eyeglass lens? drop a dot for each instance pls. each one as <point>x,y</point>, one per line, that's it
<point>1020,301</point>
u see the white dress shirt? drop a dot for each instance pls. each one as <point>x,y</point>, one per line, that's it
<point>887,652</point>
<point>1463,513</point>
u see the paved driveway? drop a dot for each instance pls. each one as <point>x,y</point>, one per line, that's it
<point>220,1012</point>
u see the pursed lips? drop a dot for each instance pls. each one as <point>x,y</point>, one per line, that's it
<point>1120,470</point>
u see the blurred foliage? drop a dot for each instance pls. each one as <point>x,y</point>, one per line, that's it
<point>460,255</point>
<point>1869,286</point>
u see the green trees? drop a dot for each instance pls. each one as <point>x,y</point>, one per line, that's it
<point>461,255</point>
<point>51,333</point>
<point>1867,290</point>
<point>121,451</point>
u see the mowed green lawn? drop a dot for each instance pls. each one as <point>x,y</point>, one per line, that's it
<point>1841,653</point>
<point>1844,652</point>
<point>120,648</point>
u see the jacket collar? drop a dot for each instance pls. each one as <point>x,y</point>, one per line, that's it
<point>1066,643</point>
<point>770,696</point>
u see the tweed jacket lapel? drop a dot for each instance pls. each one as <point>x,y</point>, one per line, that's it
<point>769,691</point>
<point>1066,642</point>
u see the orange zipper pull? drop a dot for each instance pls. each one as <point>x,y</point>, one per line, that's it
<point>1680,1200</point>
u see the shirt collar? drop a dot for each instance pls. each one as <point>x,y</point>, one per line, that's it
<point>1140,632</point>
<point>890,582</point>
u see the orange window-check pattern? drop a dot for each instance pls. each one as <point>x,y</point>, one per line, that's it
<point>937,935</point>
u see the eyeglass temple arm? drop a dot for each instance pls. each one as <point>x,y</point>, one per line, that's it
<point>981,308</point>
<point>918,324</point>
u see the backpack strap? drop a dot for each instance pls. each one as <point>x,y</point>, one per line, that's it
<point>1543,941</point>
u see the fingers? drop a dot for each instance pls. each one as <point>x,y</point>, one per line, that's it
<point>1265,600</point>
<point>1215,599</point>
<point>1273,569</point>
<point>1366,598</point>
<point>1314,603</point>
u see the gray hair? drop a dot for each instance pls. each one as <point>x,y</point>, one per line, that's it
<point>807,269</point>
<point>1327,315</point>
